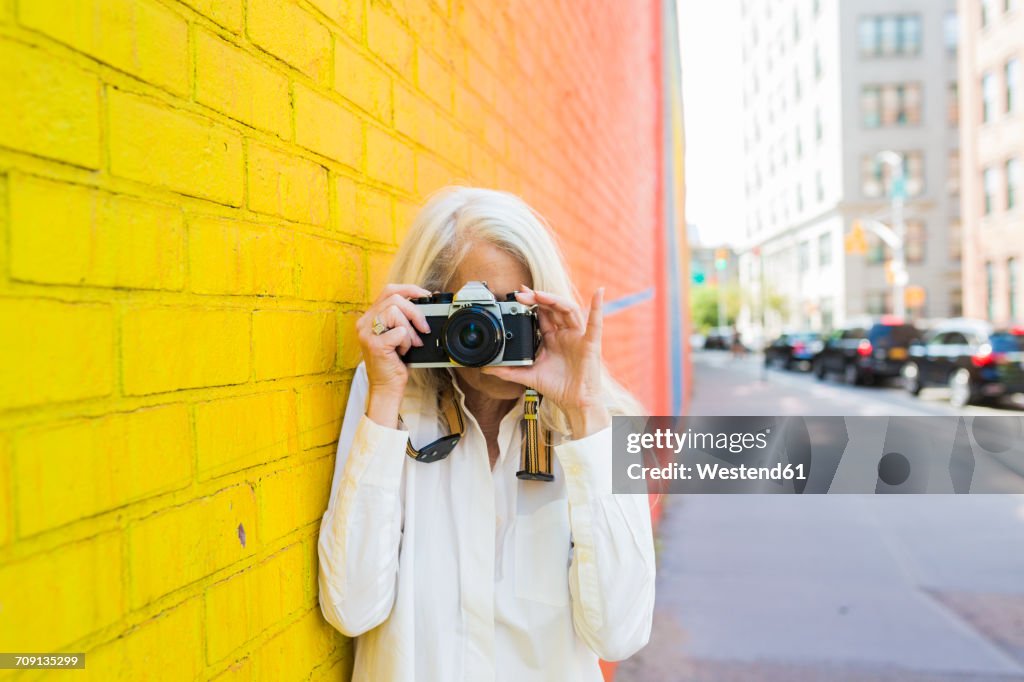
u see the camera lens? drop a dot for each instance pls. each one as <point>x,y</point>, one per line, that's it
<point>472,337</point>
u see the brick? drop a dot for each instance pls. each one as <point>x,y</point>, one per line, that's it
<point>362,82</point>
<point>252,601</point>
<point>291,34</point>
<point>6,494</point>
<point>68,234</point>
<point>229,257</point>
<point>140,37</point>
<point>53,352</point>
<point>338,670</point>
<point>170,348</point>
<point>286,185</point>
<point>236,433</point>
<point>388,38</point>
<point>157,145</point>
<point>434,79</point>
<point>294,498</point>
<point>350,353</point>
<point>241,86</point>
<point>239,670</point>
<point>327,128</point>
<point>321,407</point>
<point>328,270</point>
<point>388,159</point>
<point>227,13</point>
<point>83,578</point>
<point>289,343</point>
<point>373,215</point>
<point>405,215</point>
<point>378,266</point>
<point>170,643</point>
<point>55,110</point>
<point>430,175</point>
<point>349,14</point>
<point>174,548</point>
<point>345,198</point>
<point>77,469</point>
<point>292,654</point>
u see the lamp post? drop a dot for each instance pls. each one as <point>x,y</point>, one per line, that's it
<point>898,193</point>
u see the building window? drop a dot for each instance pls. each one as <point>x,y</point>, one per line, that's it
<point>1013,182</point>
<point>990,292</point>
<point>797,89</point>
<point>951,31</point>
<point>1011,72</point>
<point>817,63</point>
<point>890,35</point>
<point>819,189</point>
<point>818,131</point>
<point>798,143</point>
<point>953,105</point>
<point>876,302</point>
<point>892,104</point>
<point>956,244</point>
<point>803,255</point>
<point>988,97</point>
<point>987,12</point>
<point>988,185</point>
<point>876,250</point>
<point>825,250</point>
<point>953,173</point>
<point>914,242</point>
<point>1012,277</point>
<point>876,176</point>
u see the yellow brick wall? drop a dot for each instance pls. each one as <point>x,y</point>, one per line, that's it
<point>196,199</point>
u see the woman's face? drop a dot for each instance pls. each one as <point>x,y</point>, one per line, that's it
<point>504,274</point>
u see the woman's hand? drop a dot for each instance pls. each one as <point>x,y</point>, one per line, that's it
<point>567,369</point>
<point>382,352</point>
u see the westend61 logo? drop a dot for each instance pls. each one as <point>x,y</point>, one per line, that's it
<point>817,455</point>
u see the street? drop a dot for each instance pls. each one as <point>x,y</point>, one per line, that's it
<point>835,587</point>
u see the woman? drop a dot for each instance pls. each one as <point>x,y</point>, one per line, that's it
<point>456,569</point>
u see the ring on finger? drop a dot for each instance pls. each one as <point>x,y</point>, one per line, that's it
<point>379,327</point>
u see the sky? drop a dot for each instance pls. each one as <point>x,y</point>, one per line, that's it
<point>710,54</point>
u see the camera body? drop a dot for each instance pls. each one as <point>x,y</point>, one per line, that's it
<point>471,328</point>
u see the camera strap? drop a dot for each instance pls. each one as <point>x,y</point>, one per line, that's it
<point>535,458</point>
<point>442,447</point>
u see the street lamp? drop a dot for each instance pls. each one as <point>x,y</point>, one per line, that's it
<point>898,192</point>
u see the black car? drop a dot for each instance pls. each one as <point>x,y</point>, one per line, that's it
<point>792,350</point>
<point>719,338</point>
<point>976,361</point>
<point>868,351</point>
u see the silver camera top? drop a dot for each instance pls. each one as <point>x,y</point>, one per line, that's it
<point>474,292</point>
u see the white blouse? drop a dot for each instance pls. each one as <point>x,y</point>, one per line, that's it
<point>451,571</point>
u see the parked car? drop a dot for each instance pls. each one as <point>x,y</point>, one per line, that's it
<point>792,350</point>
<point>974,359</point>
<point>718,338</point>
<point>865,351</point>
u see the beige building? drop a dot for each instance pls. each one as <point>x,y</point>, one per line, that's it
<point>829,85</point>
<point>992,151</point>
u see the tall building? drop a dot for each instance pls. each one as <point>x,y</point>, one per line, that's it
<point>828,86</point>
<point>992,144</point>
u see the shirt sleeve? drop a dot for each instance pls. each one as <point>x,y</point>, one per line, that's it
<point>361,531</point>
<point>611,578</point>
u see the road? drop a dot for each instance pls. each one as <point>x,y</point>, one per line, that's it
<point>925,588</point>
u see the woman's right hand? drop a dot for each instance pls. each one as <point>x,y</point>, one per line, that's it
<point>382,352</point>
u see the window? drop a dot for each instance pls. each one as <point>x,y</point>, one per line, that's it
<point>1011,73</point>
<point>825,249</point>
<point>818,131</point>
<point>990,294</point>
<point>819,186</point>
<point>914,242</point>
<point>988,97</point>
<point>877,302</point>
<point>817,63</point>
<point>890,35</point>
<point>956,244</point>
<point>803,256</point>
<point>876,176</point>
<point>799,144</point>
<point>1011,285</point>
<point>1013,183</point>
<point>988,185</point>
<point>953,173</point>
<point>796,26</point>
<point>951,31</point>
<point>876,250</point>
<point>953,105</point>
<point>797,90</point>
<point>892,104</point>
<point>987,11</point>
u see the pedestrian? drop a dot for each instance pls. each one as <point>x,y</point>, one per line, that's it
<point>736,345</point>
<point>456,569</point>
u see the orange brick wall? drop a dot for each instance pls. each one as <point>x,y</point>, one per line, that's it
<point>196,199</point>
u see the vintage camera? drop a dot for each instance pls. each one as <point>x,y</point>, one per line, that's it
<point>471,328</point>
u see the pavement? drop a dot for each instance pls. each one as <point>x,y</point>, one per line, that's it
<point>908,588</point>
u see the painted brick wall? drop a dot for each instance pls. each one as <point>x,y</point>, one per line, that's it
<point>196,198</point>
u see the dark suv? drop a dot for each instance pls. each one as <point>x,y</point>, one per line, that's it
<point>975,360</point>
<point>792,350</point>
<point>864,352</point>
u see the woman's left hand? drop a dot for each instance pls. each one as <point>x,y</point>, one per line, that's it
<point>567,369</point>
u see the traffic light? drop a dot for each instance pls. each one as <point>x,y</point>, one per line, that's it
<point>698,277</point>
<point>721,259</point>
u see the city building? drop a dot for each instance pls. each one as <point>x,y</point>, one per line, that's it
<point>992,151</point>
<point>828,86</point>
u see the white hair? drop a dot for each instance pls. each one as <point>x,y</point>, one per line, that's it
<point>443,232</point>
